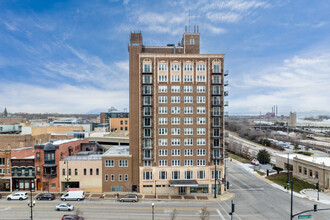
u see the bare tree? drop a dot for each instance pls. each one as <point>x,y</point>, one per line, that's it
<point>205,214</point>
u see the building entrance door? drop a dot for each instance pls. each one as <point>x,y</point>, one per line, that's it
<point>182,190</point>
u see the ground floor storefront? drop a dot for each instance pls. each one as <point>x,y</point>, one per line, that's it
<point>23,184</point>
<point>5,183</point>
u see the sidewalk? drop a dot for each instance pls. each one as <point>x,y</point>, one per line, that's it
<point>112,196</point>
<point>309,194</point>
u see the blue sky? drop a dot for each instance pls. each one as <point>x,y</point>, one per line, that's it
<point>71,56</point>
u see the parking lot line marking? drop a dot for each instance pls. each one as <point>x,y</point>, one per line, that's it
<point>221,216</point>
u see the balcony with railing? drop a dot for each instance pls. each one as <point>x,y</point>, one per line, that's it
<point>226,73</point>
<point>226,83</point>
<point>146,91</point>
<point>225,93</point>
<point>147,82</point>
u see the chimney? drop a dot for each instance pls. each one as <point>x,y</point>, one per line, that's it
<point>185,28</point>
<point>197,28</point>
<point>194,28</point>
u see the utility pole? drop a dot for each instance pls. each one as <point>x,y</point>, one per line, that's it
<point>288,167</point>
<point>291,217</point>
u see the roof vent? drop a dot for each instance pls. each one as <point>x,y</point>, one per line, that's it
<point>170,45</point>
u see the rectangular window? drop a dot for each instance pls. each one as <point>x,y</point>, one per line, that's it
<point>305,171</point>
<point>175,99</point>
<point>162,110</point>
<point>147,90</point>
<point>188,121</point>
<point>188,67</point>
<point>112,177</point>
<point>147,122</point>
<point>106,177</point>
<point>316,174</point>
<point>201,152</point>
<point>147,111</point>
<point>91,172</point>
<point>201,141</point>
<point>299,169</point>
<point>147,100</point>
<point>216,68</point>
<point>175,142</point>
<point>163,175</point>
<point>147,132</point>
<point>75,172</point>
<point>175,131</point>
<point>201,175</point>
<point>201,121</point>
<point>147,175</point>
<point>175,163</point>
<point>175,120</point>
<point>201,78</point>
<point>175,152</point>
<point>187,78</point>
<point>147,163</point>
<point>162,142</point>
<point>201,110</point>
<point>188,141</point>
<point>85,171</point>
<point>216,90</point>
<point>188,110</point>
<point>175,67</point>
<point>162,78</point>
<point>162,99</point>
<point>201,162</point>
<point>175,175</point>
<point>147,68</point>
<point>162,89</point>
<point>162,67</point>
<point>216,111</point>
<point>175,110</point>
<point>200,67</point>
<point>218,174</point>
<point>188,89</point>
<point>188,131</point>
<point>147,79</point>
<point>162,121</point>
<point>123,163</point>
<point>201,131</point>
<point>120,177</point>
<point>162,131</point>
<point>162,152</point>
<point>188,175</point>
<point>188,152</point>
<point>175,89</point>
<point>188,99</point>
<point>192,41</point>
<point>126,177</point>
<point>200,89</point>
<point>162,163</point>
<point>69,172</point>
<point>97,171</point>
<point>200,99</point>
<point>175,78</point>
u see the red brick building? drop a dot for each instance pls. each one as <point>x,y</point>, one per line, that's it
<point>47,157</point>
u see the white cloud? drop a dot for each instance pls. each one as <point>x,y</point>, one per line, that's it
<point>228,17</point>
<point>300,84</point>
<point>63,98</point>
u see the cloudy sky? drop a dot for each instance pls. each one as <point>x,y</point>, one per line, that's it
<point>71,56</point>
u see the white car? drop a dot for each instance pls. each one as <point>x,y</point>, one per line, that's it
<point>64,207</point>
<point>18,196</point>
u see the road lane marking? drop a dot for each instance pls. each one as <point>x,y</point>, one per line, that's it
<point>221,216</point>
<point>5,209</point>
<point>223,209</point>
<point>251,189</point>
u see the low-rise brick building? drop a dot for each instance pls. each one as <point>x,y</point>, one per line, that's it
<point>117,170</point>
<point>5,167</point>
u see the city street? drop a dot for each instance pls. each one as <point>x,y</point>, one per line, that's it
<point>254,199</point>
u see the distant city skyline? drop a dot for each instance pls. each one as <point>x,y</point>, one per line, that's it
<point>71,56</point>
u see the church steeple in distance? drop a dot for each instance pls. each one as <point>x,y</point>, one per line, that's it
<point>5,113</point>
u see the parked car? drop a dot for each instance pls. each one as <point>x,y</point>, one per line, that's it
<point>255,162</point>
<point>129,198</point>
<point>72,217</point>
<point>46,196</point>
<point>18,196</point>
<point>64,207</point>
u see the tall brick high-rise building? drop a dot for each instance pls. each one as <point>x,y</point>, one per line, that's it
<point>176,116</point>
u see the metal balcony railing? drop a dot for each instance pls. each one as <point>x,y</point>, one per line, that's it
<point>226,73</point>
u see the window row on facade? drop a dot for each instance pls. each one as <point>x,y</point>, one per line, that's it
<point>121,177</point>
<point>111,163</point>
<point>147,68</point>
<point>311,173</point>
<point>85,172</point>
<point>178,175</point>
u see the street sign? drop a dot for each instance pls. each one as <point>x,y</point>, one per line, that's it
<point>304,216</point>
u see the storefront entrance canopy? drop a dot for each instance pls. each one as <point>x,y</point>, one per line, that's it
<point>182,183</point>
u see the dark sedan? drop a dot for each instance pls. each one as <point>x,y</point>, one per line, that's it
<point>46,196</point>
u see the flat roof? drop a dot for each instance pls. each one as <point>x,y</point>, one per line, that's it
<point>59,142</point>
<point>315,160</point>
<point>117,151</point>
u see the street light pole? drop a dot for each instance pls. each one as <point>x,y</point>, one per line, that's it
<point>288,167</point>
<point>153,212</point>
<point>31,204</point>
<point>291,213</point>
<point>215,178</point>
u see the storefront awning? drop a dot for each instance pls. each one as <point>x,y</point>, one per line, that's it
<point>182,183</point>
<point>49,165</point>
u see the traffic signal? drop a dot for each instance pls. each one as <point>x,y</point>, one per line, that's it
<point>232,208</point>
<point>315,207</point>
